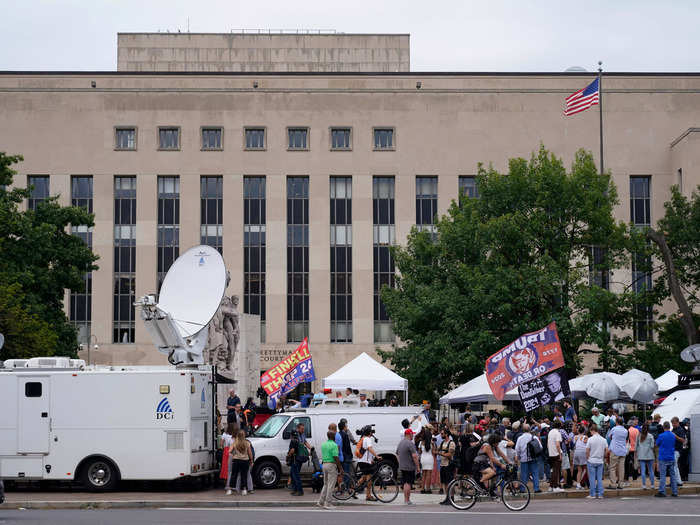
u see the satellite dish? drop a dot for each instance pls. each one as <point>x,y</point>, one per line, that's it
<point>193,288</point>
<point>691,354</point>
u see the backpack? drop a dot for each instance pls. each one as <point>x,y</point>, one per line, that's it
<point>534,448</point>
<point>468,455</point>
<point>359,449</point>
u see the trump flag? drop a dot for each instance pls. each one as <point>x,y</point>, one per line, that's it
<point>529,356</point>
<point>286,375</point>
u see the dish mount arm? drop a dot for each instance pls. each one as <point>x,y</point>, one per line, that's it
<point>166,335</point>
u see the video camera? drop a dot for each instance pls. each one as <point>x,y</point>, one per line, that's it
<point>367,430</point>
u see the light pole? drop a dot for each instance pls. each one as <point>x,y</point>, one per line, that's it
<point>95,346</point>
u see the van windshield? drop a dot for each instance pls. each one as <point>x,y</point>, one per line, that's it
<point>271,427</point>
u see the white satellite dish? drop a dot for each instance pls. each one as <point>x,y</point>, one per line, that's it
<point>691,354</point>
<point>189,298</point>
<point>193,288</point>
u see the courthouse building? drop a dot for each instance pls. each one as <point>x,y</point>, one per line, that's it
<point>302,158</point>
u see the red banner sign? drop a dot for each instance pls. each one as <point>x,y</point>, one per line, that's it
<point>529,356</point>
<point>287,374</point>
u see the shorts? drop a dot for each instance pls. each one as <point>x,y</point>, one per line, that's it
<point>408,476</point>
<point>446,474</point>
<point>480,466</point>
<point>365,468</point>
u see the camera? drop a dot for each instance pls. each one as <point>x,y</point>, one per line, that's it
<point>367,430</point>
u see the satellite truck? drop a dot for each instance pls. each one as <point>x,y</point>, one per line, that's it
<point>64,420</point>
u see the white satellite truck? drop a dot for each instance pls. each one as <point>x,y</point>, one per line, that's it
<point>63,420</point>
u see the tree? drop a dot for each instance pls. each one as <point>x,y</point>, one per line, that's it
<point>678,241</point>
<point>506,263</point>
<point>25,334</point>
<point>39,260</point>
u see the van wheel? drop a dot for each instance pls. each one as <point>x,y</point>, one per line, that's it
<point>99,475</point>
<point>387,470</point>
<point>266,474</point>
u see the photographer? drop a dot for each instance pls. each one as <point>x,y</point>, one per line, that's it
<point>367,456</point>
<point>298,454</point>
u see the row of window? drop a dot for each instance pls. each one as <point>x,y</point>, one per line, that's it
<point>254,138</point>
<point>254,208</point>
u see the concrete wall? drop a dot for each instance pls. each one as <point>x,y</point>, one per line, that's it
<point>262,52</point>
<point>65,127</point>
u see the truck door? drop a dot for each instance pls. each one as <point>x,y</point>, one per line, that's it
<point>292,426</point>
<point>34,419</point>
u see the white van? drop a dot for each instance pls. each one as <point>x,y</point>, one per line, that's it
<point>271,440</point>
<point>102,424</point>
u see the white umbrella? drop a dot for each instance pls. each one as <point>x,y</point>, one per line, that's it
<point>639,385</point>
<point>603,386</point>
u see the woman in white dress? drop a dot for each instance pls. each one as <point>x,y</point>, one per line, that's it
<point>427,461</point>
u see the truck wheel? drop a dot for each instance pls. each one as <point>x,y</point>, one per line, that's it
<point>266,474</point>
<point>99,475</point>
<point>387,469</point>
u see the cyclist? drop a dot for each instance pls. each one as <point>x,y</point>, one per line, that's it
<point>486,462</point>
<point>366,459</point>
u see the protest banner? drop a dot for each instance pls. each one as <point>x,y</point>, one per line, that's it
<point>286,375</point>
<point>544,390</point>
<point>528,357</point>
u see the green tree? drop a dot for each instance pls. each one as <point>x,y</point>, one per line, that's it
<point>506,263</point>
<point>25,334</point>
<point>39,260</point>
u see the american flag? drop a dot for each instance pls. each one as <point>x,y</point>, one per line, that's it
<point>582,99</point>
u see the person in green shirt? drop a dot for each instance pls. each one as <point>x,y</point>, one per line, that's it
<point>332,467</point>
<point>597,417</point>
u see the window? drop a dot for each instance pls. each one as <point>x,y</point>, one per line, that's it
<point>32,389</point>
<point>297,258</point>
<point>292,426</point>
<point>169,138</point>
<point>255,138</point>
<point>212,139</point>
<point>341,259</point>
<point>168,224</point>
<point>384,236</point>
<point>426,204</point>
<point>39,187</point>
<point>254,250</point>
<point>467,187</point>
<point>384,139</point>
<point>640,215</point>
<point>80,311</point>
<point>598,271</point>
<point>123,314</point>
<point>125,139</point>
<point>211,193</point>
<point>679,180</point>
<point>340,138</point>
<point>298,138</point>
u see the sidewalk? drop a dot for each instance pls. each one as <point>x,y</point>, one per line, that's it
<point>35,499</point>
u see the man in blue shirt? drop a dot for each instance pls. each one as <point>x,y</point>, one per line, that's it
<point>570,414</point>
<point>338,440</point>
<point>667,447</point>
<point>617,437</point>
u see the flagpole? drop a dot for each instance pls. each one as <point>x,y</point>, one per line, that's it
<point>600,108</point>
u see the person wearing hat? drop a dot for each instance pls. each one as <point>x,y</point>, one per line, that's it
<point>363,400</point>
<point>408,464</point>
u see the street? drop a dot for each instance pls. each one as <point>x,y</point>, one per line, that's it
<point>626,511</point>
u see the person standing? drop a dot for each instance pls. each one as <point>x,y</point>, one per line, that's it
<point>231,403</point>
<point>597,417</point>
<point>425,446</point>
<point>408,464</point>
<point>367,459</point>
<point>618,452</point>
<point>570,413</point>
<point>554,450</point>
<point>526,455</point>
<point>446,451</point>
<point>242,457</point>
<point>644,455</point>
<point>681,435</point>
<point>630,468</point>
<point>225,443</point>
<point>580,460</point>
<point>596,451</point>
<point>332,469</point>
<point>667,448</point>
<point>298,454</point>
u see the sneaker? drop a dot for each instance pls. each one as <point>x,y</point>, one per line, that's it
<point>229,492</point>
<point>559,489</point>
<point>578,486</point>
<point>590,497</point>
<point>444,502</point>
<point>674,495</point>
<point>644,487</point>
<point>328,506</point>
<point>244,492</point>
<point>599,497</point>
<point>409,503</point>
<point>251,491</point>
<point>538,491</point>
<point>625,484</point>
<point>550,489</point>
<point>659,495</point>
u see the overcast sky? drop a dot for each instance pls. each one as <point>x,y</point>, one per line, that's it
<point>466,35</point>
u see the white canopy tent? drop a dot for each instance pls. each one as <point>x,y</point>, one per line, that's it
<point>364,373</point>
<point>681,404</point>
<point>476,391</point>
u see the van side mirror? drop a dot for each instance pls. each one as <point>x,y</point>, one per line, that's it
<point>287,434</point>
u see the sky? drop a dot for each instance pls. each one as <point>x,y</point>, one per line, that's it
<point>446,35</point>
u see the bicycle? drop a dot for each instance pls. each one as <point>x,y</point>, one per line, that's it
<point>384,487</point>
<point>463,492</point>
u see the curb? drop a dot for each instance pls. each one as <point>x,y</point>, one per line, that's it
<point>208,504</point>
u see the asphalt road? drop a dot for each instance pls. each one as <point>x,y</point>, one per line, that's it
<point>624,511</point>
